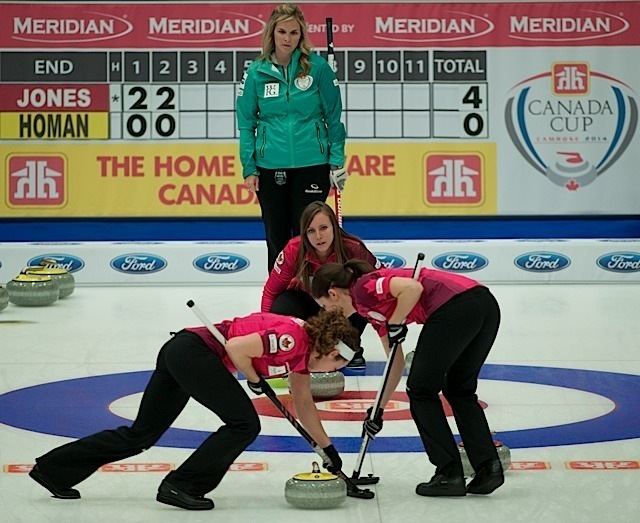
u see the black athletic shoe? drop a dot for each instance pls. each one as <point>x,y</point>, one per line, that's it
<point>441,485</point>
<point>170,495</point>
<point>58,492</point>
<point>488,478</point>
<point>358,361</point>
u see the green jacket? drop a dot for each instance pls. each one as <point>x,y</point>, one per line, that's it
<point>289,121</point>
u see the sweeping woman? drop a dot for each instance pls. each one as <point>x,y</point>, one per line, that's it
<point>193,364</point>
<point>460,320</point>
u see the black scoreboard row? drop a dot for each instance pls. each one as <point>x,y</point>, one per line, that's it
<point>229,66</point>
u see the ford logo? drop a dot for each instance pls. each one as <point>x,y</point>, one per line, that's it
<point>542,261</point>
<point>620,262</point>
<point>460,261</point>
<point>390,261</point>
<point>138,263</point>
<point>221,263</point>
<point>62,261</point>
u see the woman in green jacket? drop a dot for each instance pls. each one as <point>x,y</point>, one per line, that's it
<point>291,136</point>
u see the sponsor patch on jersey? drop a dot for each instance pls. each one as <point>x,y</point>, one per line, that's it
<point>335,82</point>
<point>271,90</point>
<point>303,82</point>
<point>379,283</point>
<point>273,343</point>
<point>276,370</point>
<point>286,342</point>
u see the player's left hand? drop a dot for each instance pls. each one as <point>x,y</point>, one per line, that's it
<point>397,333</point>
<point>338,177</point>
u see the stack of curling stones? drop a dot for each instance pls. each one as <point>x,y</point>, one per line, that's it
<point>30,290</point>
<point>503,453</point>
<point>65,279</point>
<point>40,285</point>
<point>315,489</point>
<point>4,298</point>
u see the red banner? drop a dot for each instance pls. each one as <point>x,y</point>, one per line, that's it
<point>355,25</point>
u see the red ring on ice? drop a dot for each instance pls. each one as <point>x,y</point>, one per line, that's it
<point>349,406</point>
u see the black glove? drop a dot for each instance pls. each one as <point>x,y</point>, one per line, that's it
<point>258,387</point>
<point>336,462</point>
<point>397,333</point>
<point>372,426</point>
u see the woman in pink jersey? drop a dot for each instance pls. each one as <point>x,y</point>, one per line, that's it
<point>460,320</point>
<point>193,364</point>
<point>321,241</point>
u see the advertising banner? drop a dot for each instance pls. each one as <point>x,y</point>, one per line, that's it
<point>128,110</point>
<point>245,262</point>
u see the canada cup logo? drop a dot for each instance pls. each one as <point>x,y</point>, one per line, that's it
<point>571,123</point>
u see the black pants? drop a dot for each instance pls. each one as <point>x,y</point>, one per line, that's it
<point>283,194</point>
<point>452,347</point>
<point>185,368</point>
<point>300,304</point>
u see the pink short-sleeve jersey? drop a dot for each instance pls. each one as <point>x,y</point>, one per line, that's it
<point>283,274</point>
<point>285,343</point>
<point>373,299</point>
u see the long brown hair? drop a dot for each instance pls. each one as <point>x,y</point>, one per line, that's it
<point>341,275</point>
<point>282,13</point>
<point>326,328</point>
<point>304,273</point>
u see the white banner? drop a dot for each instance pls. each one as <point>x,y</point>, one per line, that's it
<point>244,263</point>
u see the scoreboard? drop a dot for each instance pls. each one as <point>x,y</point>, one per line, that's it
<point>451,109</point>
<point>190,94</point>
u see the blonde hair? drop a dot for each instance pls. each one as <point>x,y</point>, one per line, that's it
<point>282,13</point>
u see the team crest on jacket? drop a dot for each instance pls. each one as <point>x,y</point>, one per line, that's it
<point>303,82</point>
<point>286,342</point>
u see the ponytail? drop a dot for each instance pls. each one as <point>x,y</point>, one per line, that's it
<point>341,275</point>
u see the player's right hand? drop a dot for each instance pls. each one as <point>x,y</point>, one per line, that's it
<point>336,462</point>
<point>338,177</point>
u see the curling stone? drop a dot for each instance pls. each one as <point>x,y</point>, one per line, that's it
<point>408,359</point>
<point>65,279</point>
<point>326,385</point>
<point>503,453</point>
<point>278,383</point>
<point>315,489</point>
<point>31,290</point>
<point>4,298</point>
